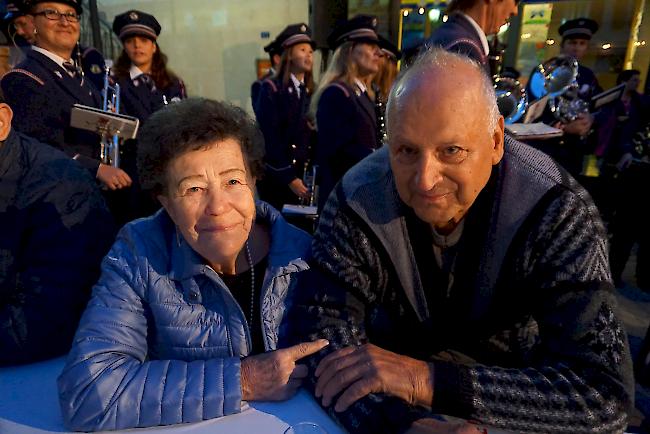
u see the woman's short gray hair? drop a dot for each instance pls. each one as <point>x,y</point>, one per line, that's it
<point>438,58</point>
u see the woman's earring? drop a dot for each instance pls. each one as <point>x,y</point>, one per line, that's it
<point>35,31</point>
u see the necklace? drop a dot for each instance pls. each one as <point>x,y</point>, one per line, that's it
<point>250,264</point>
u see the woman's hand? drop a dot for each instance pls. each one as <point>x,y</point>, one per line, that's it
<point>112,177</point>
<point>275,376</point>
<point>299,189</point>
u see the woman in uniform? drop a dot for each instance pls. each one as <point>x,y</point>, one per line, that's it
<point>345,115</point>
<point>43,88</point>
<point>146,84</point>
<point>282,110</point>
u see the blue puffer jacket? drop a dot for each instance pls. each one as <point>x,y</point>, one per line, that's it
<point>161,340</point>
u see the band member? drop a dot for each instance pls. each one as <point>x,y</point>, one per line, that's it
<point>571,149</point>
<point>43,88</point>
<point>141,70</point>
<point>282,111</point>
<point>275,53</point>
<point>468,24</point>
<point>18,25</point>
<point>346,120</point>
<point>382,82</point>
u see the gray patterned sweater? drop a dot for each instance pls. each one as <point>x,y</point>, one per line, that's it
<point>521,329</point>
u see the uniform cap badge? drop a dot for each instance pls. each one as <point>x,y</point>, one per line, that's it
<point>134,16</point>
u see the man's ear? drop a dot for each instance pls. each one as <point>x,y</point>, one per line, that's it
<point>6,115</point>
<point>498,138</point>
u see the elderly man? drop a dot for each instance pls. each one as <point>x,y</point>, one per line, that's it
<point>54,231</point>
<point>468,24</point>
<point>475,276</point>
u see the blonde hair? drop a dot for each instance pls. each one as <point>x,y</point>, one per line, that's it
<point>386,76</point>
<point>340,68</point>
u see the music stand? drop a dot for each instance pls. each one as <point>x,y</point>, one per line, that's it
<point>606,97</point>
<point>110,126</point>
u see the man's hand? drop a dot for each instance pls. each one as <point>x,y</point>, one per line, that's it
<point>581,126</point>
<point>299,189</point>
<point>624,162</point>
<point>433,426</point>
<point>358,371</point>
<point>113,177</point>
<point>275,376</point>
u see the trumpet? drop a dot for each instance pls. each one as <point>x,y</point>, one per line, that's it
<point>110,145</point>
<point>557,78</point>
<point>512,99</point>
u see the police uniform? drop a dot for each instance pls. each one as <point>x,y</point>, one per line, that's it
<point>347,124</point>
<point>41,92</point>
<point>273,49</point>
<point>460,34</point>
<point>139,95</point>
<point>282,116</point>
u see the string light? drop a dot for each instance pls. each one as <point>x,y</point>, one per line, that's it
<point>607,46</point>
<point>421,11</point>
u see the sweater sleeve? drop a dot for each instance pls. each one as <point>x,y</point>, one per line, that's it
<point>580,378</point>
<point>109,382</point>
<point>345,282</point>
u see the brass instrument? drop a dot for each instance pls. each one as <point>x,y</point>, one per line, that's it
<point>110,146</point>
<point>512,99</point>
<point>557,78</point>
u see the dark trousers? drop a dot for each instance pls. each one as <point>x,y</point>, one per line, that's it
<point>631,224</point>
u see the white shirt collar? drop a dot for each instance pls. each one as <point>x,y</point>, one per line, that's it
<point>362,87</point>
<point>296,83</point>
<point>54,57</point>
<point>135,72</point>
<point>480,32</point>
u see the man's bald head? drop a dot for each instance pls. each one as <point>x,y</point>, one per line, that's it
<point>437,72</point>
<point>445,135</point>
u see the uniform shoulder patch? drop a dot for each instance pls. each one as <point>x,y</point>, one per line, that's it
<point>271,83</point>
<point>346,92</point>
<point>28,74</point>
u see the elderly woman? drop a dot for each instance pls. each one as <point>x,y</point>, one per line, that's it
<point>190,298</point>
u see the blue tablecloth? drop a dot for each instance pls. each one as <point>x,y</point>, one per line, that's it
<point>29,405</point>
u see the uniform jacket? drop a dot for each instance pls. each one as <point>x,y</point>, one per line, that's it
<point>162,337</point>
<point>93,65</point>
<point>140,101</point>
<point>54,231</point>
<point>459,35</point>
<point>521,320</point>
<point>347,132</point>
<point>257,86</point>
<point>42,94</point>
<point>282,117</point>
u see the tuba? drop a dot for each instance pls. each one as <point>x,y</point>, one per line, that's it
<point>110,146</point>
<point>512,100</point>
<point>557,78</point>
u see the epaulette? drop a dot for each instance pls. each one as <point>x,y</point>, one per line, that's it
<point>271,83</point>
<point>469,42</point>
<point>343,88</point>
<point>27,73</point>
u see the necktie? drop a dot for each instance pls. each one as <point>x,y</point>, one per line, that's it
<point>146,80</point>
<point>70,67</point>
